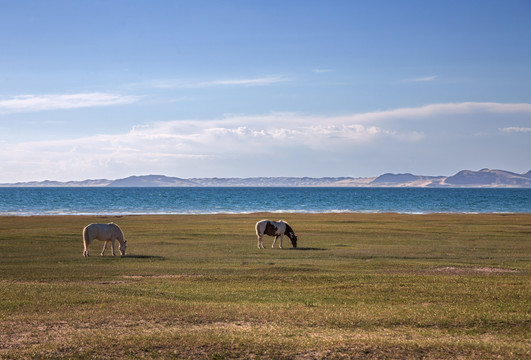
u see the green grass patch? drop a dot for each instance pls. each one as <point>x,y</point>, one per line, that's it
<point>371,286</point>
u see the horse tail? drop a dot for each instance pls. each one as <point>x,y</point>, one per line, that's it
<point>85,234</point>
<point>86,240</point>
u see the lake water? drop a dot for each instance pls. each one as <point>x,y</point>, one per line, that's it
<point>122,201</point>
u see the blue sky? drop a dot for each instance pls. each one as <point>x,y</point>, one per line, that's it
<point>108,89</point>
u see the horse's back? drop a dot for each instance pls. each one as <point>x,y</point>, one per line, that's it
<point>271,228</point>
<point>103,231</point>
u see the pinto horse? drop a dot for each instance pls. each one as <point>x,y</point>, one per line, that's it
<point>104,232</point>
<point>276,229</point>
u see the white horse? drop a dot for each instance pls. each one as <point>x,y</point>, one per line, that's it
<point>104,232</point>
<point>276,229</point>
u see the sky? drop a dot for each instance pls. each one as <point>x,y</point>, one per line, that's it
<point>93,89</point>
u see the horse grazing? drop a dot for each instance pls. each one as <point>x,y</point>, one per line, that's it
<point>104,232</point>
<point>276,229</point>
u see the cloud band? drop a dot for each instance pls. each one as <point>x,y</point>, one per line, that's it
<point>32,103</point>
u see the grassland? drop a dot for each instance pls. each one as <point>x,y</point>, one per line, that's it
<point>368,286</point>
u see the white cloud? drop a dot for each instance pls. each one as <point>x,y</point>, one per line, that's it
<point>423,79</point>
<point>512,129</point>
<point>276,130</point>
<point>157,147</point>
<point>433,110</point>
<point>31,103</point>
<point>260,81</point>
<point>224,143</point>
<point>180,83</point>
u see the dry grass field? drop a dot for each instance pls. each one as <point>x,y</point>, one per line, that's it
<point>367,286</point>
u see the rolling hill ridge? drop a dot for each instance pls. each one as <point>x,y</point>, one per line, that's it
<point>464,178</point>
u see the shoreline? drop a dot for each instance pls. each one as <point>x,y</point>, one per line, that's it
<point>23,215</point>
<point>273,215</point>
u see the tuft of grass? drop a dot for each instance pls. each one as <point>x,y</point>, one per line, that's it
<point>368,286</point>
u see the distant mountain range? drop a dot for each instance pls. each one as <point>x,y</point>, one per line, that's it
<point>464,178</point>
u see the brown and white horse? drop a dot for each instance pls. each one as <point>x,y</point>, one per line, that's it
<point>104,232</point>
<point>276,229</point>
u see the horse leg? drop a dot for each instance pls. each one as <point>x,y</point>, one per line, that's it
<point>281,238</point>
<point>112,248</point>
<point>104,247</point>
<point>274,241</point>
<point>260,242</point>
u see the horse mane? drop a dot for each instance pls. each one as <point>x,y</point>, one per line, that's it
<point>288,230</point>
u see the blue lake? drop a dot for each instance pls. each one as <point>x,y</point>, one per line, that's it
<point>211,200</point>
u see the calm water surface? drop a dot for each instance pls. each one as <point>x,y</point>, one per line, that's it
<point>122,201</point>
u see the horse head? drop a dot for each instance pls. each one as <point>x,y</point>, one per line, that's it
<point>293,239</point>
<point>122,247</point>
